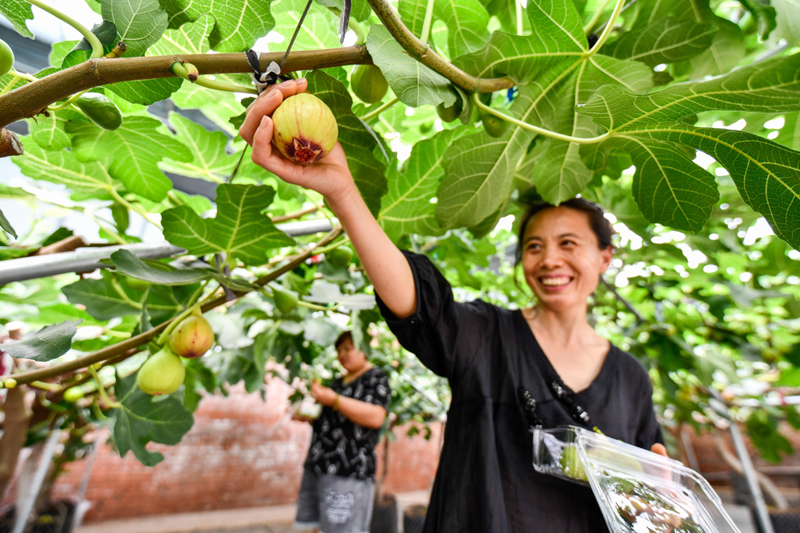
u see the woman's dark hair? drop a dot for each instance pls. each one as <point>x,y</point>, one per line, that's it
<point>600,225</point>
<point>345,335</point>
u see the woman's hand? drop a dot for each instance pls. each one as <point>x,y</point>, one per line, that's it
<point>660,449</point>
<point>330,176</point>
<point>323,395</point>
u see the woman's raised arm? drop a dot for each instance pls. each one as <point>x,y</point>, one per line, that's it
<point>385,265</point>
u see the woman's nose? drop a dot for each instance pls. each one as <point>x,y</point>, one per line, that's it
<point>551,257</point>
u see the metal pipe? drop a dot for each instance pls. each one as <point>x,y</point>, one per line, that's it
<point>752,479</point>
<point>88,259</point>
<point>24,510</point>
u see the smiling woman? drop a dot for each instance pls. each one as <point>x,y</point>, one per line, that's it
<point>489,354</point>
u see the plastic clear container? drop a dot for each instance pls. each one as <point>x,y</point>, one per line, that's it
<point>643,492</point>
<point>555,452</point>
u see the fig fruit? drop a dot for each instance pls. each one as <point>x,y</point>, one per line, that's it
<point>449,114</point>
<point>340,256</point>
<point>305,129</point>
<point>6,58</point>
<point>368,83</point>
<point>284,300</point>
<point>73,394</point>
<point>493,125</point>
<point>193,337</point>
<point>100,110</point>
<point>163,373</point>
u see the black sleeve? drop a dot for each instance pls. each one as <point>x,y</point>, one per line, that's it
<point>439,324</point>
<point>649,431</point>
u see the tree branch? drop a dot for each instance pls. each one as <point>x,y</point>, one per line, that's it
<point>15,430</point>
<point>31,99</point>
<point>420,51</point>
<point>131,343</point>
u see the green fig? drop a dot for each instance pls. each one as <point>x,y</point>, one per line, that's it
<point>493,125</point>
<point>162,373</point>
<point>6,58</point>
<point>368,83</point>
<point>73,394</point>
<point>100,109</point>
<point>285,300</point>
<point>340,256</point>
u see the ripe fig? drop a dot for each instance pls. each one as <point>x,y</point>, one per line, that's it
<point>305,129</point>
<point>193,337</point>
<point>284,300</point>
<point>493,125</point>
<point>340,256</point>
<point>100,109</point>
<point>368,83</point>
<point>163,373</point>
<point>6,58</point>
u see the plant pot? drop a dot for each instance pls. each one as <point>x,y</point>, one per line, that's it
<point>384,515</point>
<point>783,521</point>
<point>414,518</point>
<point>55,518</point>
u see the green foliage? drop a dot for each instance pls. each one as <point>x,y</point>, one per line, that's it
<point>637,117</point>
<point>46,344</point>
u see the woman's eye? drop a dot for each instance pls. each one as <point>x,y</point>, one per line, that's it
<point>567,243</point>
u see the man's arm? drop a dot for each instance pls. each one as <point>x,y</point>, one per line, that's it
<point>361,413</point>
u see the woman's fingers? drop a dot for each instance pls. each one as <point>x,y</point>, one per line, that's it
<point>660,449</point>
<point>266,103</point>
<point>264,154</point>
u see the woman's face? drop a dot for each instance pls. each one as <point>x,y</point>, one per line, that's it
<point>561,258</point>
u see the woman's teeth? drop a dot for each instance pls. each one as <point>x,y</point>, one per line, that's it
<point>555,282</point>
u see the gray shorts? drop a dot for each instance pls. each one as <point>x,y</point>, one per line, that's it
<point>334,504</point>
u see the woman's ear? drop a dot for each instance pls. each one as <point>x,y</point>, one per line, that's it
<point>607,255</point>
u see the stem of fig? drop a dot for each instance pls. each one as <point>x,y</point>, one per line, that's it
<point>122,294</point>
<point>595,18</point>
<point>426,23</point>
<point>133,207</point>
<point>536,129</point>
<point>101,388</point>
<point>172,325</point>
<point>97,48</point>
<point>607,30</point>
<point>179,70</point>
<point>45,386</point>
<point>372,114</point>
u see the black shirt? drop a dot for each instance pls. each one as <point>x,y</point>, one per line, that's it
<point>341,447</point>
<point>485,481</point>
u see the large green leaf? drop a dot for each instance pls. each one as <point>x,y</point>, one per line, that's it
<point>134,151</point>
<point>726,51</point>
<point>466,21</point>
<point>146,92</point>
<point>141,418</point>
<point>790,133</point>
<point>210,160</point>
<point>239,22</point>
<point>788,19</point>
<point>412,82</point>
<point>65,168</point>
<point>319,29</point>
<point>240,229</point>
<point>557,41</point>
<point>664,41</point>
<point>17,12</point>
<point>767,87</point>
<point>412,13</point>
<point>357,139</point>
<point>156,272</point>
<point>140,23</point>
<point>49,131</point>
<point>46,344</point>
<point>406,208</point>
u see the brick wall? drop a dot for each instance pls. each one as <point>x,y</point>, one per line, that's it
<point>241,452</point>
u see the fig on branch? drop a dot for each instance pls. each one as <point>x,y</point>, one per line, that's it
<point>493,125</point>
<point>73,394</point>
<point>285,301</point>
<point>449,114</point>
<point>100,109</point>
<point>368,83</point>
<point>193,337</point>
<point>340,256</point>
<point>305,129</point>
<point>163,373</point>
<point>6,58</point>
